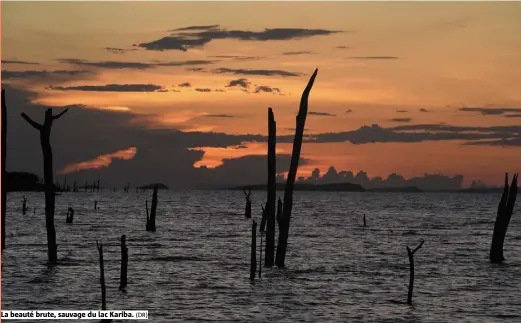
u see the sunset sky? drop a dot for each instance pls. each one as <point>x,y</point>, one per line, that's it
<point>402,87</point>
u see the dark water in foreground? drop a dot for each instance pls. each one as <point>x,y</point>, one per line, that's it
<point>196,266</point>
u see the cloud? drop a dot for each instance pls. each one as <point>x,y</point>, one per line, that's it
<point>266,89</point>
<point>207,27</point>
<point>424,110</point>
<point>402,111</point>
<point>132,65</point>
<point>490,111</point>
<point>203,90</point>
<point>219,116</point>
<point>374,57</point>
<point>100,161</point>
<point>186,84</point>
<point>426,182</point>
<point>195,69</point>
<point>239,82</point>
<point>513,116</point>
<point>297,53</point>
<point>115,50</point>
<point>45,75</point>
<point>256,72</point>
<point>349,111</point>
<point>325,114</point>
<point>342,47</point>
<point>238,57</point>
<point>112,88</point>
<point>6,61</point>
<point>401,119</point>
<point>184,41</point>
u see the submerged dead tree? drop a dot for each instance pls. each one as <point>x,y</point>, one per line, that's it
<point>411,263</point>
<point>151,221</point>
<point>504,213</point>
<point>102,281</point>
<point>253,267</point>
<point>24,205</point>
<point>50,197</point>
<point>124,263</point>
<point>262,230</point>
<point>272,193</point>
<point>290,182</point>
<point>70,215</point>
<point>4,172</point>
<point>247,211</point>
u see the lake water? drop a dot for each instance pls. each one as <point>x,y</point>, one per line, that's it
<point>195,267</point>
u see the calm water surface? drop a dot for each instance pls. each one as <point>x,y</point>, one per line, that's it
<point>195,268</point>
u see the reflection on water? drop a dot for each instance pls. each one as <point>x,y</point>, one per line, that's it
<point>195,267</point>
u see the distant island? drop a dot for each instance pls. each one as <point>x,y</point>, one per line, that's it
<point>25,182</point>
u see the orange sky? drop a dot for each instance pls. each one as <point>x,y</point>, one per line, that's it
<point>386,57</point>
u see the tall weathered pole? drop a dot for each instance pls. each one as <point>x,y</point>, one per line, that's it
<point>290,182</point>
<point>50,191</point>
<point>272,194</point>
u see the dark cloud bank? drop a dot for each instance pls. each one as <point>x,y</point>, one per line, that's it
<point>168,156</point>
<point>190,37</point>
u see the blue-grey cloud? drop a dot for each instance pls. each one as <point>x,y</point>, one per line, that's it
<point>491,111</point>
<point>297,53</point>
<point>7,61</point>
<point>133,65</point>
<point>256,72</point>
<point>243,83</point>
<point>112,88</point>
<point>323,114</point>
<point>184,41</point>
<point>374,57</point>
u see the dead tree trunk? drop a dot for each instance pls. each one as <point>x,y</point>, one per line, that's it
<point>151,222</point>
<point>269,257</point>
<point>24,205</point>
<point>253,267</point>
<point>262,229</point>
<point>50,197</point>
<point>279,211</point>
<point>504,213</point>
<point>102,282</point>
<point>365,223</point>
<point>124,264</point>
<point>247,211</point>
<point>3,162</point>
<point>288,192</point>
<point>411,278</point>
<point>70,215</point>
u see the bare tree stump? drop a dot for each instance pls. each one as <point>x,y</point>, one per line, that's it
<point>70,215</point>
<point>253,267</point>
<point>365,223</point>
<point>290,182</point>
<point>151,222</point>
<point>504,213</point>
<point>411,263</point>
<point>247,211</point>
<point>24,205</point>
<point>3,162</point>
<point>124,264</point>
<point>50,191</point>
